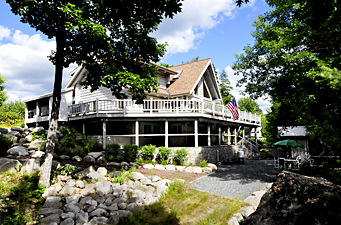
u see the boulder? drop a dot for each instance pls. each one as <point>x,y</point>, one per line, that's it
<point>102,160</point>
<point>37,129</point>
<point>96,155</point>
<point>148,166</point>
<point>160,167</point>
<point>298,199</point>
<point>18,150</point>
<point>3,130</point>
<point>31,166</point>
<point>89,159</point>
<point>170,167</point>
<point>37,154</point>
<point>212,166</point>
<point>77,158</point>
<point>20,129</point>
<point>9,165</point>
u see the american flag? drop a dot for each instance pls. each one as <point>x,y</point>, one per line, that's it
<point>232,106</point>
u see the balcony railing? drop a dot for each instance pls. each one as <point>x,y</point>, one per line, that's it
<point>159,107</point>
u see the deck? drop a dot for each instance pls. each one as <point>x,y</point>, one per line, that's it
<point>158,108</point>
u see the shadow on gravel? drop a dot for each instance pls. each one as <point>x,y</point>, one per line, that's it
<point>251,170</point>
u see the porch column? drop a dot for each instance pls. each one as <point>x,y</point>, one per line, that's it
<point>104,138</point>
<point>37,112</point>
<point>196,140</point>
<point>137,133</point>
<point>166,133</point>
<point>208,134</point>
<point>219,138</point>
<point>243,132</point>
<point>26,115</point>
<point>235,136</point>
<point>256,134</point>
<point>228,136</point>
<point>83,128</point>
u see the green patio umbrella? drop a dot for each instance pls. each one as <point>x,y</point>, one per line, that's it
<point>289,144</point>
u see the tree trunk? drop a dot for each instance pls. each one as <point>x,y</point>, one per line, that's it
<point>52,132</point>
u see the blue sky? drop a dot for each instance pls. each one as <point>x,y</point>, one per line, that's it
<point>215,29</point>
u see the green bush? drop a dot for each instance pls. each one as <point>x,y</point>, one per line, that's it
<point>112,149</point>
<point>163,154</point>
<point>39,134</point>
<point>147,152</point>
<point>180,156</point>
<point>131,152</point>
<point>5,143</point>
<point>203,163</point>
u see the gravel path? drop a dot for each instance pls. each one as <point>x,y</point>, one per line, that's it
<point>238,180</point>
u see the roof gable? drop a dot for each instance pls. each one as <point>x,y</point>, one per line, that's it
<point>191,75</point>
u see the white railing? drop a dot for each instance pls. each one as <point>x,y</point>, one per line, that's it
<point>159,106</point>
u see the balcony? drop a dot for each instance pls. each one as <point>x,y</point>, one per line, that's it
<point>159,108</point>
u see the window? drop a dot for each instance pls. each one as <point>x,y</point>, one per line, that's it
<point>147,129</point>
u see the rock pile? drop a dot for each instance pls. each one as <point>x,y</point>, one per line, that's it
<point>98,200</point>
<point>298,199</point>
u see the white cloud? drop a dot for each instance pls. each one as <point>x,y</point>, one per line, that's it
<point>263,102</point>
<point>196,17</point>
<point>25,65</point>
<point>4,32</point>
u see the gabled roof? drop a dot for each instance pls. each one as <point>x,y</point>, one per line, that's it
<point>190,76</point>
<point>297,131</point>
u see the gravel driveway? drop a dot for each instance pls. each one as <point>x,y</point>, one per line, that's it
<point>238,180</point>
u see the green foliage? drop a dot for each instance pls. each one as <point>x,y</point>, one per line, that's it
<point>43,146</point>
<point>203,163</point>
<point>147,152</point>
<point>73,143</point>
<point>39,134</point>
<point>67,170</point>
<point>131,152</point>
<point>3,94</point>
<point>296,60</point>
<point>10,119</point>
<point>249,105</point>
<point>124,175</point>
<point>21,198</point>
<point>5,143</point>
<point>163,154</point>
<point>180,156</point>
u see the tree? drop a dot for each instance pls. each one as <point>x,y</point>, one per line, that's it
<point>225,87</point>
<point>110,40</point>
<point>3,94</point>
<point>296,59</point>
<point>249,105</point>
<point>196,59</point>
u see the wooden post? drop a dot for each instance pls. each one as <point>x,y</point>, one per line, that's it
<point>83,128</point>
<point>235,136</point>
<point>97,109</point>
<point>104,138</point>
<point>137,133</point>
<point>228,135</point>
<point>177,105</point>
<point>196,140</point>
<point>151,105</point>
<point>166,133</point>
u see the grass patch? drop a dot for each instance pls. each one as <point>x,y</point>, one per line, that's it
<point>20,197</point>
<point>184,205</point>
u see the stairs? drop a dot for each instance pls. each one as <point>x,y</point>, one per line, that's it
<point>250,148</point>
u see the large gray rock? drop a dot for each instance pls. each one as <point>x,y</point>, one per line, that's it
<point>89,159</point>
<point>9,165</point>
<point>298,199</point>
<point>96,155</point>
<point>20,129</point>
<point>68,221</point>
<point>82,218</point>
<point>37,154</point>
<point>18,150</point>
<point>54,218</point>
<point>31,166</point>
<point>4,130</point>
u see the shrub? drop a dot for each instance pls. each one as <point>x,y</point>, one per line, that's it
<point>203,163</point>
<point>39,134</point>
<point>180,156</point>
<point>131,152</point>
<point>112,149</point>
<point>163,154</point>
<point>147,152</point>
<point>5,142</point>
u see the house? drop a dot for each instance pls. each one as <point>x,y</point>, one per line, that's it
<point>185,112</point>
<point>298,134</point>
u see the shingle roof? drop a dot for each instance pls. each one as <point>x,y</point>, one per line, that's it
<point>292,131</point>
<point>189,76</point>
